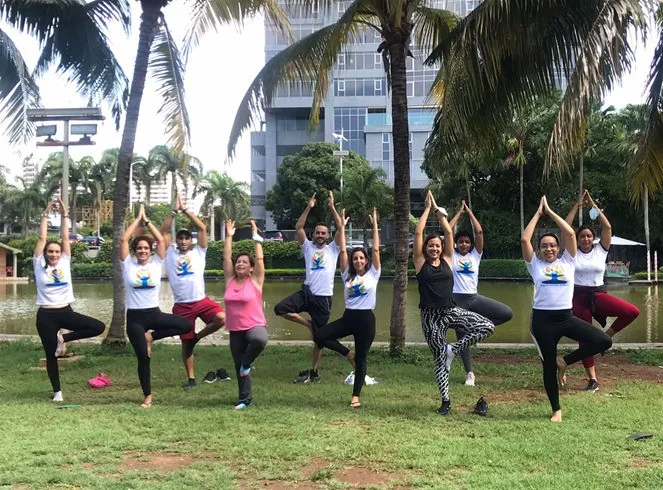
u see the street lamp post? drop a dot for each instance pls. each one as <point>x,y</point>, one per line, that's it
<point>131,186</point>
<point>340,153</point>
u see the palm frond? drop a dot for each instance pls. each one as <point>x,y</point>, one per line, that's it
<point>605,56</point>
<point>212,15</point>
<point>431,26</point>
<point>309,60</point>
<point>646,150</point>
<point>504,54</point>
<point>78,41</point>
<point>18,92</point>
<point>167,69</point>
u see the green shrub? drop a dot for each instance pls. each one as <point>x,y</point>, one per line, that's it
<point>285,255</point>
<point>641,275</point>
<point>269,272</point>
<point>78,253</point>
<point>105,254</point>
<point>503,268</point>
<point>92,270</point>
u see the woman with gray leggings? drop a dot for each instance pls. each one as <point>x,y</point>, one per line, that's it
<point>465,267</point>
<point>245,317</point>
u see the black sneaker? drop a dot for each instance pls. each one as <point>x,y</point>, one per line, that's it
<point>189,385</point>
<point>210,377</point>
<point>481,408</point>
<point>222,375</point>
<point>302,377</point>
<point>314,378</point>
<point>592,386</point>
<point>445,408</point>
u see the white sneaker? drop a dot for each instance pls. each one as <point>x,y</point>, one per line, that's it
<point>57,396</point>
<point>370,381</point>
<point>350,380</point>
<point>450,357</point>
<point>469,380</point>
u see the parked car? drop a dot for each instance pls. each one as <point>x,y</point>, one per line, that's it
<point>75,238</point>
<point>273,236</point>
<point>94,241</point>
<point>349,243</point>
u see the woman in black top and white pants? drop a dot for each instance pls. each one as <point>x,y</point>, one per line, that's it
<point>432,264</point>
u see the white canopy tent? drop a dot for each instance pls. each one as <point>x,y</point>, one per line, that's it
<point>618,241</point>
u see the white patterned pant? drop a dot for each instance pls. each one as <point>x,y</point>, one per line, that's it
<point>470,327</point>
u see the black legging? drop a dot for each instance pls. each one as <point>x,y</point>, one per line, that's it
<point>50,321</point>
<point>548,327</point>
<point>162,325</point>
<point>361,325</point>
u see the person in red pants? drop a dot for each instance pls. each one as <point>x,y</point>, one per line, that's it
<point>590,301</point>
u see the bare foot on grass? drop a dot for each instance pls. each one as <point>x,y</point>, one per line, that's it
<point>147,403</point>
<point>556,416</point>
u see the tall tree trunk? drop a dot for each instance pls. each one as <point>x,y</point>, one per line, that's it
<point>212,224</point>
<point>645,198</point>
<point>148,191</point>
<point>72,211</point>
<point>173,203</point>
<point>148,29</point>
<point>400,134</point>
<point>582,183</point>
<point>522,196</point>
<point>469,193</point>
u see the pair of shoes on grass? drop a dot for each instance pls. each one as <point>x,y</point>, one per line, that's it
<point>350,379</point>
<point>219,375</point>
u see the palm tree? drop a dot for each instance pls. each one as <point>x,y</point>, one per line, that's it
<point>225,198</point>
<point>72,34</point>
<point>144,174</point>
<point>99,182</point>
<point>399,23</point>
<point>158,52</point>
<point>25,203</point>
<point>363,190</point>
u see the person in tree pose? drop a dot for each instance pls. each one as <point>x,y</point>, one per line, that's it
<point>52,267</point>
<point>432,264</point>
<point>552,319</point>
<point>589,297</point>
<point>142,281</point>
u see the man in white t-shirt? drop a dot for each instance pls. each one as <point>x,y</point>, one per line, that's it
<point>185,265</point>
<point>315,296</point>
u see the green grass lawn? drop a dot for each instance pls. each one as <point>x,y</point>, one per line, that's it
<point>307,436</point>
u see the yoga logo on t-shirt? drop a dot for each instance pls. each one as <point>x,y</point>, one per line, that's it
<point>144,279</point>
<point>555,273</point>
<point>356,288</point>
<point>55,276</point>
<point>184,266</point>
<point>318,261</point>
<point>465,266</point>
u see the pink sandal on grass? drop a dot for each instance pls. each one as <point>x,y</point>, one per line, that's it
<point>101,381</point>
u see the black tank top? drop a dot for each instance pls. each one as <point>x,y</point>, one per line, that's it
<point>436,285</point>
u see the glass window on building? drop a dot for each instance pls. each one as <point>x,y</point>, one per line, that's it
<point>424,116</point>
<point>386,146</point>
<point>350,122</point>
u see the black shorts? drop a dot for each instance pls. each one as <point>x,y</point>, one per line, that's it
<point>319,307</point>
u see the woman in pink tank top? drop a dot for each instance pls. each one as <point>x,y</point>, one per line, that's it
<point>245,318</point>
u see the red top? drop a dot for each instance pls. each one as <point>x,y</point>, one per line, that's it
<point>243,306</point>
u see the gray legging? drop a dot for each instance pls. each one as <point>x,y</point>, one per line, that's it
<point>245,347</point>
<point>495,311</point>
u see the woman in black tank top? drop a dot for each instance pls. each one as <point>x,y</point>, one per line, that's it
<point>432,264</point>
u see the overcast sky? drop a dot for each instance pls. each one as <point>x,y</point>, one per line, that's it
<point>218,73</point>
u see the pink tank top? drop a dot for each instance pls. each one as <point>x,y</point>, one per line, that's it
<point>243,306</point>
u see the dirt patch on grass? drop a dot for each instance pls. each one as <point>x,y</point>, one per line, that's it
<point>639,463</point>
<point>360,477</point>
<point>502,358</point>
<point>313,467</point>
<point>156,461</point>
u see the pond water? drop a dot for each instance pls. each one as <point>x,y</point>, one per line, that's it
<point>17,308</point>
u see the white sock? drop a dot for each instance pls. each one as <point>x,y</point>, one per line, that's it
<point>57,396</point>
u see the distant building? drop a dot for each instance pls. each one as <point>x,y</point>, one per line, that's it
<point>29,170</point>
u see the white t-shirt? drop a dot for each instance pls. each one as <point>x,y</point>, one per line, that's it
<point>466,271</point>
<point>142,282</point>
<point>320,267</point>
<point>360,292</point>
<point>553,282</point>
<point>186,273</point>
<point>53,283</point>
<point>590,267</point>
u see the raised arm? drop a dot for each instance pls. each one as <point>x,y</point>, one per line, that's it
<point>574,210</point>
<point>64,229</point>
<point>43,230</point>
<point>478,231</point>
<point>200,224</point>
<point>259,269</point>
<point>301,222</point>
<point>448,250</point>
<point>418,246</point>
<point>606,227</point>
<point>161,243</point>
<point>568,235</point>
<point>228,269</point>
<point>164,230</point>
<point>124,241</point>
<point>456,218</point>
<point>340,228</point>
<point>343,254</point>
<point>376,239</point>
<point>528,233</point>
